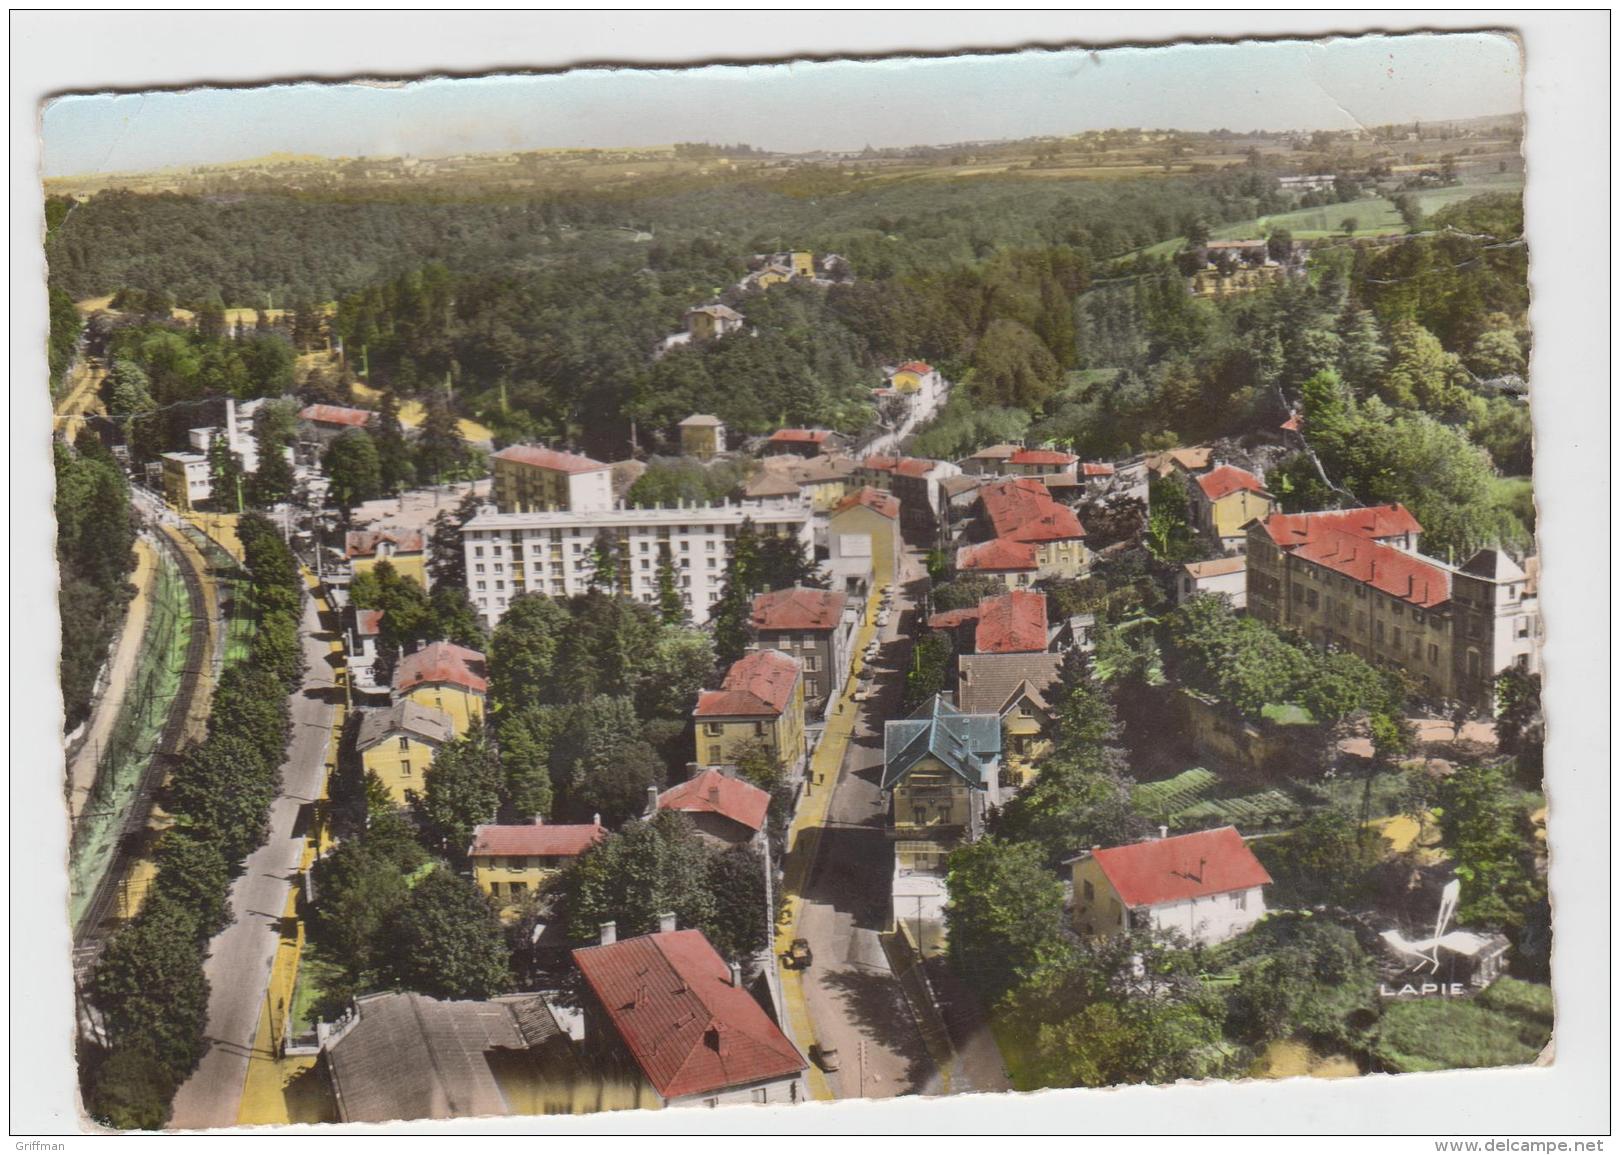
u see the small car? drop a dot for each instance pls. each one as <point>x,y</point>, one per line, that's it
<point>824,1057</point>
<point>799,954</point>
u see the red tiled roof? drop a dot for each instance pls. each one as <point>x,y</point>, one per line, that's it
<point>368,623</point>
<point>554,459</point>
<point>880,463</point>
<point>1000,554</point>
<point>1013,623</point>
<point>795,436</point>
<point>669,997</point>
<point>1096,469</point>
<point>442,662</point>
<point>874,499</point>
<point>1022,509</point>
<point>1042,457</point>
<point>531,838</point>
<point>1374,522</point>
<point>904,466</point>
<point>364,542</point>
<point>798,609</point>
<point>1383,567</point>
<point>712,792</point>
<point>1186,866</point>
<point>336,415</point>
<point>994,452</point>
<point>760,683</point>
<point>915,367</point>
<point>1294,423</point>
<point>1225,480</point>
<point>950,619</point>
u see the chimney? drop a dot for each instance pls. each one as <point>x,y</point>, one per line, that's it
<point>596,820</point>
<point>539,819</point>
<point>736,975</point>
<point>652,800</point>
<point>714,791</point>
<point>609,933</point>
<point>666,922</point>
<point>693,769</point>
<point>1164,832</point>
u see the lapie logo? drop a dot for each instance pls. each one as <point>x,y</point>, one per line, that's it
<point>1425,955</point>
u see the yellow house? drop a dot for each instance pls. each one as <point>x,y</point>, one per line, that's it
<point>702,436</point>
<point>398,745</point>
<point>709,322</point>
<point>760,700</point>
<point>186,479</point>
<point>512,862</point>
<point>1022,510</point>
<point>1019,689</point>
<point>909,377</point>
<point>802,262</point>
<point>447,677</point>
<point>534,479</point>
<point>401,548</point>
<point>869,513</point>
<point>1226,499</point>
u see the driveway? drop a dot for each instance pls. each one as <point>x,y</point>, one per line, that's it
<point>239,960</point>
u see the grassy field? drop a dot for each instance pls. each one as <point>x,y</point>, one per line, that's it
<point>1506,1026</point>
<point>1374,216</point>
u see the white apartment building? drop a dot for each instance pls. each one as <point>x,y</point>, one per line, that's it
<point>551,552</point>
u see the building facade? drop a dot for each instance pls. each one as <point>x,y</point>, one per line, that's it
<point>401,548</point>
<point>445,677</point>
<point>397,745</point>
<point>761,700</point>
<point>818,628</point>
<point>533,479</point>
<point>511,862</point>
<point>703,436</point>
<point>1223,501</point>
<point>872,514</point>
<point>1208,887</point>
<point>509,554</point>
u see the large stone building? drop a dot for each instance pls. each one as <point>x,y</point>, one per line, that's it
<point>534,479</point>
<point>1353,579</point>
<point>552,553</point>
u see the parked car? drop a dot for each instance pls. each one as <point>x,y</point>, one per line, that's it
<point>799,955</point>
<point>824,1057</point>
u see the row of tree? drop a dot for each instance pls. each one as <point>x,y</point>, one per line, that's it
<point>148,985</point>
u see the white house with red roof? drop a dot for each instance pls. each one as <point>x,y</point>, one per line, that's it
<point>724,808</point>
<point>1207,887</point>
<point>668,1011</point>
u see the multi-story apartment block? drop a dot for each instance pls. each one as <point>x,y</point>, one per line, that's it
<point>552,553</point>
<point>533,479</point>
<point>1451,629</point>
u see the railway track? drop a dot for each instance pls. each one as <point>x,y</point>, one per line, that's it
<point>184,712</point>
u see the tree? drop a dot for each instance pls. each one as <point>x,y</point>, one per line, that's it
<point>359,887</point>
<point>1011,366</point>
<point>462,790</point>
<point>1280,245</point>
<point>273,481</point>
<point>1484,825</point>
<point>741,926</point>
<point>395,468</point>
<point>930,668</point>
<point>447,554</point>
<point>192,871</point>
<point>1518,720</point>
<point>523,651</point>
<point>446,941</point>
<point>1169,533</point>
<point>1299,974</point>
<point>278,648</point>
<point>670,606</point>
<point>525,739</point>
<point>1361,350</point>
<point>455,618</point>
<point>224,474</point>
<point>150,988</point>
<point>1496,353</point>
<point>681,664</point>
<point>1197,232</point>
<point>1004,916</point>
<point>604,562</point>
<point>633,877</point>
<point>1421,374</point>
<point>352,463</point>
<point>440,451</point>
<point>1349,225</point>
<point>1326,860</point>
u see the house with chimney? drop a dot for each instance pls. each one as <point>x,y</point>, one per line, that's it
<point>1207,886</point>
<point>919,484</point>
<point>511,862</point>
<point>446,677</point>
<point>761,699</point>
<point>711,322</point>
<point>799,442</point>
<point>725,810</point>
<point>1021,688</point>
<point>817,627</point>
<point>666,1011</point>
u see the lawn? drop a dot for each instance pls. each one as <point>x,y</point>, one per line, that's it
<point>1505,1026</point>
<point>315,974</point>
<point>1198,798</point>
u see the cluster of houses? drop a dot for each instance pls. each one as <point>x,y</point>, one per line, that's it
<point>1229,268</point>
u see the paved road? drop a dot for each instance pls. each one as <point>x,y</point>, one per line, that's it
<point>851,992</point>
<point>240,957</point>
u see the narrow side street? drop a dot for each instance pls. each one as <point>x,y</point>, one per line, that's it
<point>241,956</point>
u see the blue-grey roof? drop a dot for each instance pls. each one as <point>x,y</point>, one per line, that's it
<point>970,744</point>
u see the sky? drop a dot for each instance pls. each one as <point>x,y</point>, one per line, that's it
<point>835,105</point>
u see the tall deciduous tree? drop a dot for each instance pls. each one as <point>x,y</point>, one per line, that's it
<point>446,941</point>
<point>462,790</point>
<point>1005,913</point>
